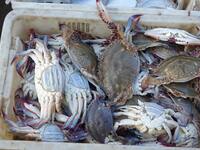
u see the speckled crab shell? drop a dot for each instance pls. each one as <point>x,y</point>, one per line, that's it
<point>81,54</point>
<point>117,70</point>
<point>178,69</point>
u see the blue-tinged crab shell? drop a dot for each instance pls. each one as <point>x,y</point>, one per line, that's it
<point>99,121</point>
<point>51,133</point>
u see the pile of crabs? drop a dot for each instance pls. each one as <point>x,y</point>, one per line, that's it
<point>136,87</point>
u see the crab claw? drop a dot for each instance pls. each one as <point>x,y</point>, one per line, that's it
<point>21,63</point>
<point>16,128</point>
<point>28,113</point>
<point>133,21</point>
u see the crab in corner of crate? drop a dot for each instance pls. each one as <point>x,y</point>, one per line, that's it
<point>29,125</point>
<point>50,94</point>
<point>156,122</point>
<point>56,72</point>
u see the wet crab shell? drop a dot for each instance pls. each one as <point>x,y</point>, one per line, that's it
<point>178,69</point>
<point>81,54</point>
<point>181,90</point>
<point>117,70</point>
<point>52,78</point>
<point>51,133</point>
<point>143,42</point>
<point>177,36</point>
<point>99,121</point>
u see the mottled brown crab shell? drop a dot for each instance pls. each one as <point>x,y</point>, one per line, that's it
<point>117,70</point>
<point>81,54</point>
<point>178,69</point>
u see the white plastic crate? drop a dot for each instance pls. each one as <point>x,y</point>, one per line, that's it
<point>18,23</point>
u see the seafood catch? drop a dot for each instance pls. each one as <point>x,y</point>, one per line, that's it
<point>137,86</point>
<point>119,64</point>
<point>82,55</point>
<point>176,69</point>
<point>99,121</point>
<point>50,94</point>
<point>148,118</point>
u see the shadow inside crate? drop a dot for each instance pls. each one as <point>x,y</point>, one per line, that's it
<point>4,10</point>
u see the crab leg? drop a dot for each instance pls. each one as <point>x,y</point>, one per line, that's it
<point>78,113</point>
<point>37,58</point>
<point>74,107</point>
<point>128,114</point>
<point>84,111</point>
<point>126,122</point>
<point>33,109</point>
<point>168,132</point>
<point>15,128</point>
<point>25,109</point>
<point>44,50</point>
<point>34,113</point>
<point>103,13</point>
<point>28,86</point>
<point>99,90</point>
<point>61,118</point>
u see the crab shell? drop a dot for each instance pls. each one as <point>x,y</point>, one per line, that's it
<point>177,36</point>
<point>143,42</point>
<point>99,121</point>
<point>117,70</point>
<point>77,94</point>
<point>81,54</point>
<point>181,90</point>
<point>178,69</point>
<point>149,118</point>
<point>51,133</point>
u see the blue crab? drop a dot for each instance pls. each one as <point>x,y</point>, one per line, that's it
<point>49,92</point>
<point>119,63</point>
